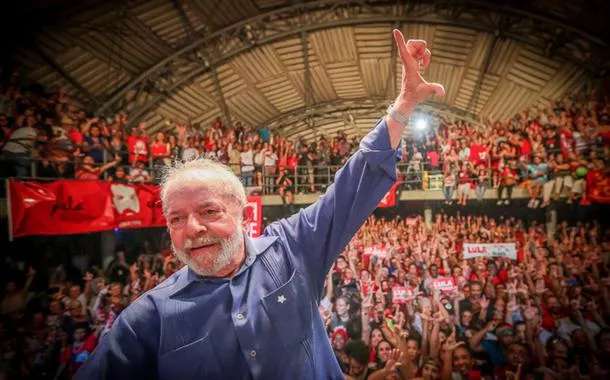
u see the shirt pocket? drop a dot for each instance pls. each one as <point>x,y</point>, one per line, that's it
<point>289,310</point>
<point>191,361</point>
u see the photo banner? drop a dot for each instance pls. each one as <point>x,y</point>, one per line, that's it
<point>74,207</point>
<point>472,250</point>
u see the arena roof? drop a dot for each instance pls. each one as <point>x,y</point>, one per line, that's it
<point>313,66</point>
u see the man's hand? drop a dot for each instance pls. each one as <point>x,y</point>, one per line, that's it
<point>413,89</point>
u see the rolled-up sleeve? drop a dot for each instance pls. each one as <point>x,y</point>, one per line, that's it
<point>317,234</point>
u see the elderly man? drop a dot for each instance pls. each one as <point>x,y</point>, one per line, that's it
<point>246,308</point>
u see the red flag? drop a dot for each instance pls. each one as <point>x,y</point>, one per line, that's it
<point>74,207</point>
<point>389,199</point>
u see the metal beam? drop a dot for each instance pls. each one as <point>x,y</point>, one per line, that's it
<point>190,31</point>
<point>476,92</point>
<point>307,79</point>
<point>221,98</point>
<point>60,70</point>
<point>466,21</point>
<point>378,105</point>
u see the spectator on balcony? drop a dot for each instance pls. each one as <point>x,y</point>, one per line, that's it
<point>259,161</point>
<point>95,144</point>
<point>247,164</point>
<point>19,147</point>
<point>235,158</point>
<point>508,179</point>
<point>464,184</point>
<point>284,185</point>
<point>482,181</point>
<point>448,184</point>
<point>160,151</point>
<point>119,176</point>
<point>560,174</point>
<point>575,182</point>
<point>137,144</point>
<point>88,171</point>
<point>270,163</point>
<point>464,152</point>
<point>189,152</point>
<point>538,174</point>
<point>139,174</point>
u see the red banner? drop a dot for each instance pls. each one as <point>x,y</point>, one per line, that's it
<point>254,216</point>
<point>389,199</point>
<point>74,207</point>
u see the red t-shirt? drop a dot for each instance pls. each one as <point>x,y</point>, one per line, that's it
<point>88,175</point>
<point>292,162</point>
<point>433,157</point>
<point>464,178</point>
<point>139,146</point>
<point>526,148</point>
<point>158,149</point>
<point>75,356</point>
<point>75,136</point>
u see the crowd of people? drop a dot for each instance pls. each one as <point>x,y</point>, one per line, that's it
<point>550,152</point>
<point>403,302</point>
<point>400,302</point>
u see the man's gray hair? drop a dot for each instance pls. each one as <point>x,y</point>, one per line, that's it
<point>203,169</point>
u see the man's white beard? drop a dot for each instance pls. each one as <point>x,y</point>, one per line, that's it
<point>229,248</point>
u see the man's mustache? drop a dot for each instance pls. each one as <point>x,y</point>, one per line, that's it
<point>199,242</point>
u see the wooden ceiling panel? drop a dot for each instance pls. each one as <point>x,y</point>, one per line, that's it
<point>334,45</point>
<point>281,94</point>
<point>346,79</point>
<point>258,65</point>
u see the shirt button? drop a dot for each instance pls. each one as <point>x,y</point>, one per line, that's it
<point>240,316</point>
<point>253,354</point>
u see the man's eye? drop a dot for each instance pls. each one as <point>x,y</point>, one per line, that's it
<point>176,219</point>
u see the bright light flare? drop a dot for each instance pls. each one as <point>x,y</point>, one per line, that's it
<point>421,124</point>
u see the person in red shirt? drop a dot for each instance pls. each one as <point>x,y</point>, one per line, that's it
<point>137,145</point>
<point>160,151</point>
<point>75,354</point>
<point>464,184</point>
<point>508,179</point>
<point>89,172</point>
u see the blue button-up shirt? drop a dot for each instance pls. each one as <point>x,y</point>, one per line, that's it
<point>263,323</point>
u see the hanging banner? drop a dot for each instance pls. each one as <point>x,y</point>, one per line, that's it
<point>75,207</point>
<point>254,216</point>
<point>472,250</point>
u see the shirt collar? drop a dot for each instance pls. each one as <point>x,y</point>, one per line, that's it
<point>254,247</point>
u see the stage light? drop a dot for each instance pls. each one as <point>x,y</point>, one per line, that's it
<point>421,124</point>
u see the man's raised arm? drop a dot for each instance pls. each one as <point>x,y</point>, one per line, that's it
<point>318,233</point>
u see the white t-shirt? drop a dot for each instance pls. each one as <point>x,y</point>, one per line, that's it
<point>247,161</point>
<point>270,159</point>
<point>21,141</point>
<point>138,175</point>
